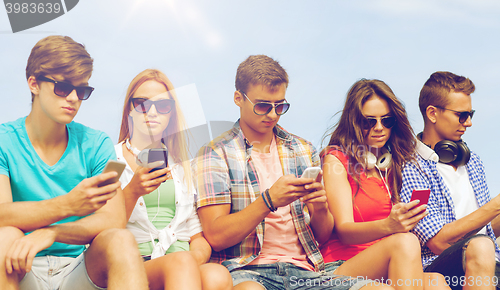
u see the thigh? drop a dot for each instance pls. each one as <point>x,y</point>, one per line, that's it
<point>373,262</point>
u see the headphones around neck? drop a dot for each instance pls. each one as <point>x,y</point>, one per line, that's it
<point>382,163</point>
<point>452,152</point>
<point>455,153</point>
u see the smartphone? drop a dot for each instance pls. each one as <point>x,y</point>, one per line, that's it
<point>153,155</point>
<point>311,172</point>
<point>420,194</point>
<point>116,166</point>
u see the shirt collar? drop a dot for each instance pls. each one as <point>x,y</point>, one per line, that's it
<point>426,152</point>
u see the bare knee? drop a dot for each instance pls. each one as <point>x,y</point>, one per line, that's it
<point>404,244</point>
<point>116,244</point>
<point>251,285</point>
<point>480,251</point>
<point>215,277</point>
<point>9,235</point>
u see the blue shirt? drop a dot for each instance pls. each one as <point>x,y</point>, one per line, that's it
<point>440,208</point>
<point>31,179</point>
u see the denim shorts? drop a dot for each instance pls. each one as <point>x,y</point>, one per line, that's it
<point>279,276</point>
<point>451,264</point>
<point>53,273</point>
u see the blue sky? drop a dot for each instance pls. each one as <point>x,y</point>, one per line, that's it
<point>325,46</point>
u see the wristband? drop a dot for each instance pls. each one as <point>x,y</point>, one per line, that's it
<point>265,201</point>
<point>271,205</point>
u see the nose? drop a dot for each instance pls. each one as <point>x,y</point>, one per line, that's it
<point>272,114</point>
<point>378,126</point>
<point>152,112</point>
<point>468,122</point>
<point>72,97</point>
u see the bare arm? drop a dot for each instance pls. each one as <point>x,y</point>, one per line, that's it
<point>223,230</point>
<point>321,219</point>
<point>495,224</point>
<point>107,213</point>
<point>200,249</point>
<point>468,225</point>
<point>31,215</point>
<point>339,195</point>
<point>143,182</point>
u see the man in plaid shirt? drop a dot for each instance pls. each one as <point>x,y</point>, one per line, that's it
<point>259,217</point>
<point>456,236</point>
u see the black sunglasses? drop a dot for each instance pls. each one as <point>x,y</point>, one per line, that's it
<point>462,115</point>
<point>387,122</point>
<point>263,108</point>
<point>63,89</point>
<point>144,105</point>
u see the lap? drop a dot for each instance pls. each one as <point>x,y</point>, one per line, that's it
<point>287,276</point>
<point>51,272</point>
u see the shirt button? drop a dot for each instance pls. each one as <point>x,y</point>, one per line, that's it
<point>141,204</point>
<point>169,226</point>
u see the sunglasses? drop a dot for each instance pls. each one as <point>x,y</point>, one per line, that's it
<point>164,106</point>
<point>63,89</point>
<point>462,115</point>
<point>387,122</point>
<point>263,108</point>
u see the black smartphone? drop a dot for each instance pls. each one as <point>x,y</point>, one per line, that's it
<point>148,156</point>
<point>158,155</point>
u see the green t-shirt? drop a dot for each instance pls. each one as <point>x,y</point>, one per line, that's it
<point>161,211</point>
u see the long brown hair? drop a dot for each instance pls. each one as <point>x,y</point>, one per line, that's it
<point>175,135</point>
<point>348,133</point>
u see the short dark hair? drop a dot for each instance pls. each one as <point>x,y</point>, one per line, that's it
<point>436,89</point>
<point>260,70</point>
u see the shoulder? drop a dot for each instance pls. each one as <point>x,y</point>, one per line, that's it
<point>10,131</point>
<point>12,127</point>
<point>84,133</point>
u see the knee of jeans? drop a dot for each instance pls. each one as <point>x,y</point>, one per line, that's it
<point>480,248</point>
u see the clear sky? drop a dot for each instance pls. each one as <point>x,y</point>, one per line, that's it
<point>325,46</point>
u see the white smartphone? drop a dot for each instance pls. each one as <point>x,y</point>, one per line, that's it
<point>311,172</point>
<point>116,166</point>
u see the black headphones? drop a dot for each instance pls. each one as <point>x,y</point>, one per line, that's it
<point>451,152</point>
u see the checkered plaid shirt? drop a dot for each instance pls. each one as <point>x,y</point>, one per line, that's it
<point>225,174</point>
<point>440,207</point>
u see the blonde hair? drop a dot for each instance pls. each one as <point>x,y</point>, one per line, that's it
<point>175,136</point>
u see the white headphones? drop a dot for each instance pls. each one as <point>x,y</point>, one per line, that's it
<point>382,163</point>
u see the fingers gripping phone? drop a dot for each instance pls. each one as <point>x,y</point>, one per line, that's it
<point>311,172</point>
<point>420,194</point>
<point>148,156</point>
<point>116,166</point>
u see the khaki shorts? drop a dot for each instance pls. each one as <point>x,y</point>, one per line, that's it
<point>53,273</point>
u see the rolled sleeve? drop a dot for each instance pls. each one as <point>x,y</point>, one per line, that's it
<point>212,178</point>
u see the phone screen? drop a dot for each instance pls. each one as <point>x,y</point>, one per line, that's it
<point>158,155</point>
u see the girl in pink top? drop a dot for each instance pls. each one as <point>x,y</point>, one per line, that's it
<point>362,181</point>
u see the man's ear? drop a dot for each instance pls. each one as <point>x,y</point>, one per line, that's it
<point>238,98</point>
<point>431,112</point>
<point>33,85</point>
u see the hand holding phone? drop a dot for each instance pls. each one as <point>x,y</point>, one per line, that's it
<point>311,172</point>
<point>116,166</point>
<point>420,194</point>
<point>148,157</point>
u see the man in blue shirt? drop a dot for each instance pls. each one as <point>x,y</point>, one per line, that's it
<point>51,204</point>
<point>456,236</point>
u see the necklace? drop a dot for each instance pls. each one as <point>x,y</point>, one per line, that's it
<point>132,149</point>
